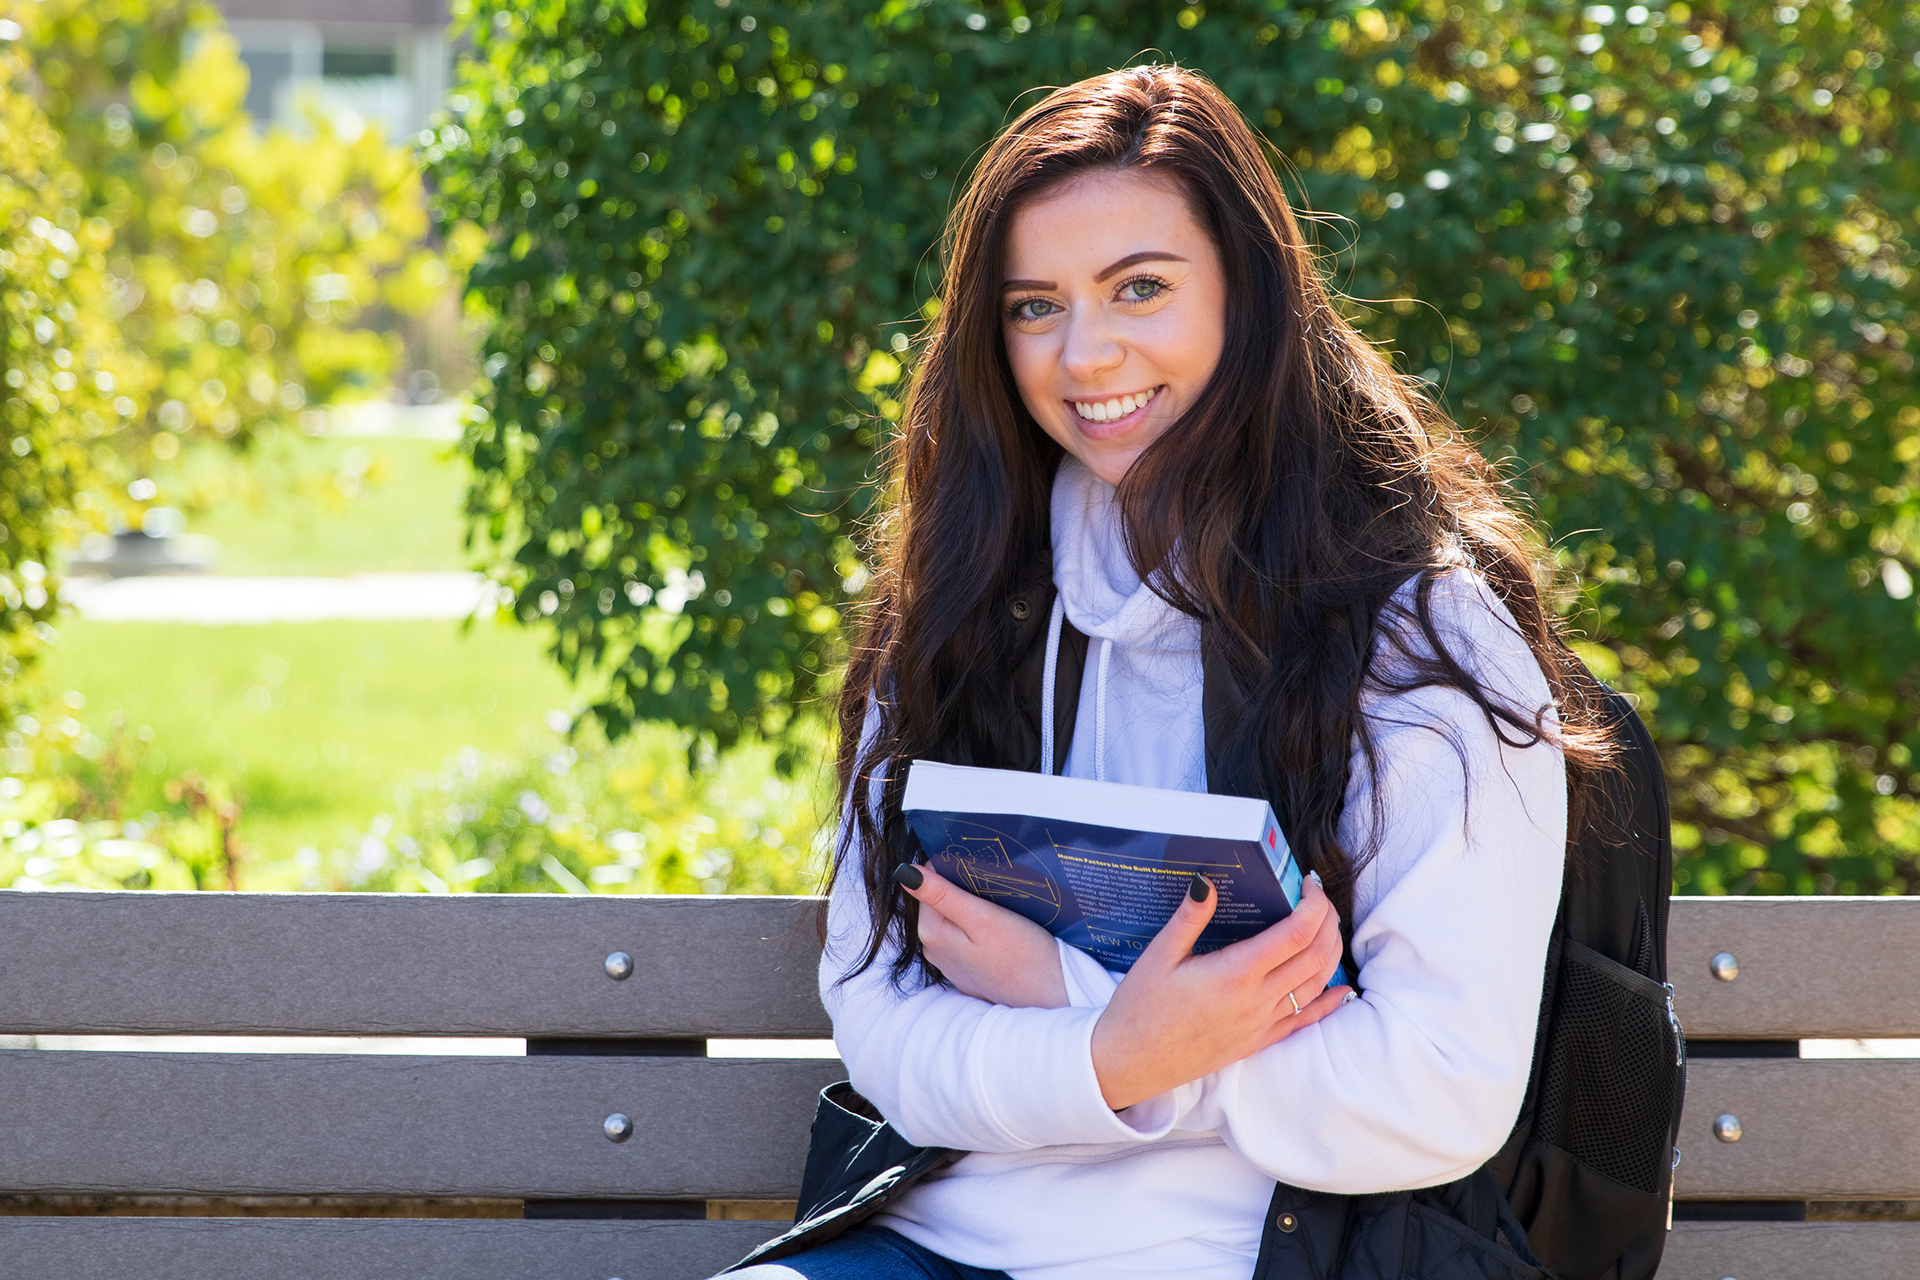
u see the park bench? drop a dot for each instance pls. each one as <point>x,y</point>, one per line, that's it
<point>617,998</point>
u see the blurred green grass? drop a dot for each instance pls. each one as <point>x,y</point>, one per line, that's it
<point>317,725</point>
<point>343,738</point>
<point>325,505</point>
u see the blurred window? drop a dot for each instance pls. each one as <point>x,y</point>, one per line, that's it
<point>351,76</point>
<point>358,64</point>
<point>267,70</point>
<point>360,86</point>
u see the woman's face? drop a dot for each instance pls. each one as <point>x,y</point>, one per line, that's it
<point>1114,313</point>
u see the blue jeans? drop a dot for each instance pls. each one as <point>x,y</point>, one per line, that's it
<point>867,1253</point>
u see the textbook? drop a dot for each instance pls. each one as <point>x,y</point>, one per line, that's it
<point>1102,865</point>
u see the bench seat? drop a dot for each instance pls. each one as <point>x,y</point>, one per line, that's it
<point>530,1130</point>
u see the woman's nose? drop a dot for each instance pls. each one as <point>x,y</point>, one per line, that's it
<point>1090,350</point>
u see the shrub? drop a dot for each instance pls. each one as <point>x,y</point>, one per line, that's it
<point>1656,255</point>
<point>632,817</point>
<point>63,823</point>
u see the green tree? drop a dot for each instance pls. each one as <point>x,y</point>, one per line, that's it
<point>1652,255</point>
<point>245,259</point>
<point>60,361</point>
<point>165,269</point>
<point>169,268</point>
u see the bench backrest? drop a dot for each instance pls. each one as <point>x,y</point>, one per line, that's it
<point>237,1127</point>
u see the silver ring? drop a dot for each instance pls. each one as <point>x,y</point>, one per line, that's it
<point>1294,1003</point>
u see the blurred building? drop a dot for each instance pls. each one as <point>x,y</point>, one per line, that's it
<point>355,62</point>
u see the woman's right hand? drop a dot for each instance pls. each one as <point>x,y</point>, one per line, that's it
<point>1177,1017</point>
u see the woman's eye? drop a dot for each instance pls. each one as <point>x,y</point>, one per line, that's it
<point>1142,289</point>
<point>1033,309</point>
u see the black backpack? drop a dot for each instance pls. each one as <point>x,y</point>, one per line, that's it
<point>1580,1190</point>
<point>1589,1167</point>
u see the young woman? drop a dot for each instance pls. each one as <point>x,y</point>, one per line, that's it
<point>1142,444</point>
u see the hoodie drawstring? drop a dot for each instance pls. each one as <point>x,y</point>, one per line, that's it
<point>1100,714</point>
<point>1046,683</point>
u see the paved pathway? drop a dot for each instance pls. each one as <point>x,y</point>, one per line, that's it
<point>380,418</point>
<point>214,599</point>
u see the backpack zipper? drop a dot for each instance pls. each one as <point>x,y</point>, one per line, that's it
<point>1680,1061</point>
<point>1679,1037</point>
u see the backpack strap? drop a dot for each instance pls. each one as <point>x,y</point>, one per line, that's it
<point>1028,610</point>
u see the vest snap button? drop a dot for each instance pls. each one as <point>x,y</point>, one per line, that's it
<point>1021,608</point>
<point>1287,1222</point>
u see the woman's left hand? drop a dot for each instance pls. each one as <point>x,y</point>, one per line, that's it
<point>985,950</point>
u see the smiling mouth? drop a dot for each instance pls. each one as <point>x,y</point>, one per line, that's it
<point>1116,408</point>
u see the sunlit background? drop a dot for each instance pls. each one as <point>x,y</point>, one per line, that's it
<point>438,438</point>
<point>277,668</point>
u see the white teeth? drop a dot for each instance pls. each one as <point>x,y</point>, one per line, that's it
<point>1108,410</point>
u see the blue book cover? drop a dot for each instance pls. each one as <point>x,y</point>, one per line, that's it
<point>1102,865</point>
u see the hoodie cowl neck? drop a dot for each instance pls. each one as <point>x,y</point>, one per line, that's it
<point>1105,599</point>
<point>1139,718</point>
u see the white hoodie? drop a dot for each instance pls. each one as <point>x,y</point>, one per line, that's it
<point>1416,1084</point>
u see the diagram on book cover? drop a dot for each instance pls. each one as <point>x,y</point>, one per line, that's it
<point>988,867</point>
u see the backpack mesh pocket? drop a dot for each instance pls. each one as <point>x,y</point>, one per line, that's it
<point>1611,1071</point>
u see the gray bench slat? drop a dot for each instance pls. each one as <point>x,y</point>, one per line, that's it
<point>1809,967</point>
<point>299,1124</point>
<point>480,1249</point>
<point>369,1248</point>
<point>407,964</point>
<point>244,1124</point>
<point>531,964</point>
<point>1792,1251</point>
<point>1812,1129</point>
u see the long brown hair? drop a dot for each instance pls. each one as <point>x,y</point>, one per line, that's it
<point>1303,488</point>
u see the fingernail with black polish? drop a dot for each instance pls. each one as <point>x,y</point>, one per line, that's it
<point>908,876</point>
<point>1199,887</point>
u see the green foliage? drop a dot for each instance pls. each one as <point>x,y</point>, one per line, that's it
<point>1693,330</point>
<point>62,824</point>
<point>587,817</point>
<point>243,262</point>
<point>59,361</point>
<point>164,269</point>
<point>1656,256</point>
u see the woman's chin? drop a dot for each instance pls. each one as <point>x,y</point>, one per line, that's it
<point>1109,448</point>
<point>1108,461</point>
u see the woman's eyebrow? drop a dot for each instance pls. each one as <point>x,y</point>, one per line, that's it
<point>1134,259</point>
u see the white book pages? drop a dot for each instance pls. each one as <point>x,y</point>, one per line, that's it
<point>950,788</point>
